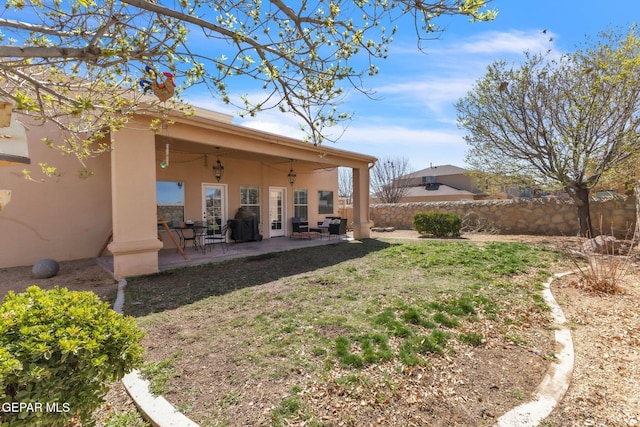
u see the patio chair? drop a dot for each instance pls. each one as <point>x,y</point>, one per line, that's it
<point>338,227</point>
<point>299,228</point>
<point>213,238</point>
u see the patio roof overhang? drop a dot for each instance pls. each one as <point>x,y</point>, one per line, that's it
<point>204,132</point>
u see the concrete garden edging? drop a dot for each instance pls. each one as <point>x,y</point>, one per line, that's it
<point>551,390</point>
<point>555,383</point>
<point>156,409</point>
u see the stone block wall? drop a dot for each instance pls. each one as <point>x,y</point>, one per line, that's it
<point>541,216</point>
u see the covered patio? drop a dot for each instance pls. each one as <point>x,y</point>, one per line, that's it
<point>169,259</point>
<point>263,173</point>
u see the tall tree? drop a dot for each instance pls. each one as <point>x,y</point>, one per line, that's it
<point>77,63</point>
<point>389,180</point>
<point>345,184</point>
<point>565,120</point>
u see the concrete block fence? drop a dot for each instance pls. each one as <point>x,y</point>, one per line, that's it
<point>538,216</point>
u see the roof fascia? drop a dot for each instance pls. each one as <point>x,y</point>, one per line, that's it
<point>206,119</point>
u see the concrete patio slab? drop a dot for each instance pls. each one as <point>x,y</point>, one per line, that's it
<point>170,258</point>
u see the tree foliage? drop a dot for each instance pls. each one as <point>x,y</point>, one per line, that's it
<point>389,179</point>
<point>566,120</point>
<point>78,63</point>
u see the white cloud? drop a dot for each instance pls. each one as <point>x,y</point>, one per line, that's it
<point>407,136</point>
<point>273,125</point>
<point>431,84</point>
<point>435,92</point>
<point>512,42</point>
<point>208,102</point>
<point>421,146</point>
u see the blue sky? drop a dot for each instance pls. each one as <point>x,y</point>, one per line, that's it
<point>414,116</point>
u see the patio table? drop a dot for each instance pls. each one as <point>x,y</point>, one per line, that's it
<point>322,231</point>
<point>192,233</point>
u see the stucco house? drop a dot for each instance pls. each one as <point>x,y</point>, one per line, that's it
<point>440,183</point>
<point>71,218</point>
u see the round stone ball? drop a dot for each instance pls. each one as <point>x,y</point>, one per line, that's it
<point>45,268</point>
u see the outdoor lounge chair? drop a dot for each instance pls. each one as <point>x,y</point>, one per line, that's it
<point>331,226</point>
<point>300,228</point>
<point>338,227</point>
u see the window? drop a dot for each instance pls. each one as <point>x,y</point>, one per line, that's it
<point>170,200</point>
<point>301,205</point>
<point>250,200</point>
<point>325,202</point>
<point>429,179</point>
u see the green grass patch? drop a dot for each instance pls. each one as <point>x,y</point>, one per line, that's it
<point>129,418</point>
<point>350,305</point>
<point>473,339</point>
<point>363,350</point>
<point>292,409</point>
<point>159,373</point>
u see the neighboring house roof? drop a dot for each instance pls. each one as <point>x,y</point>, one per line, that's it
<point>437,171</point>
<point>436,190</point>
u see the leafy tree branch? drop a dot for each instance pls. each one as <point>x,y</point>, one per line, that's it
<point>85,59</point>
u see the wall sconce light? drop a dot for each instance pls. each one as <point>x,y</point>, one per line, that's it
<point>218,169</point>
<point>291,175</point>
<point>165,162</point>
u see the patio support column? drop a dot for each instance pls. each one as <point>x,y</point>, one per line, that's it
<point>135,242</point>
<point>361,222</point>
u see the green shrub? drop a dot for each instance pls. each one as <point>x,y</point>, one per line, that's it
<point>58,352</point>
<point>439,224</point>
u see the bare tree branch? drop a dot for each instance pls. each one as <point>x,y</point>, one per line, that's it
<point>388,179</point>
<point>87,53</point>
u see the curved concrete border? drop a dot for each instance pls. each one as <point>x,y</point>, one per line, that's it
<point>156,409</point>
<point>556,381</point>
<point>550,391</point>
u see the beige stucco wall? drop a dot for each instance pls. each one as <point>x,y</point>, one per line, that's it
<point>193,172</point>
<point>544,216</point>
<point>70,218</point>
<point>63,217</point>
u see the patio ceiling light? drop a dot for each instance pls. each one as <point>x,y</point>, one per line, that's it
<point>13,138</point>
<point>218,169</point>
<point>291,175</point>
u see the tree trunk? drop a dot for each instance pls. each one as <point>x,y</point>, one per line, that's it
<point>636,193</point>
<point>580,196</point>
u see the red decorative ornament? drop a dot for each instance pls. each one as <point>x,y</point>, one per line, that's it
<point>163,89</point>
